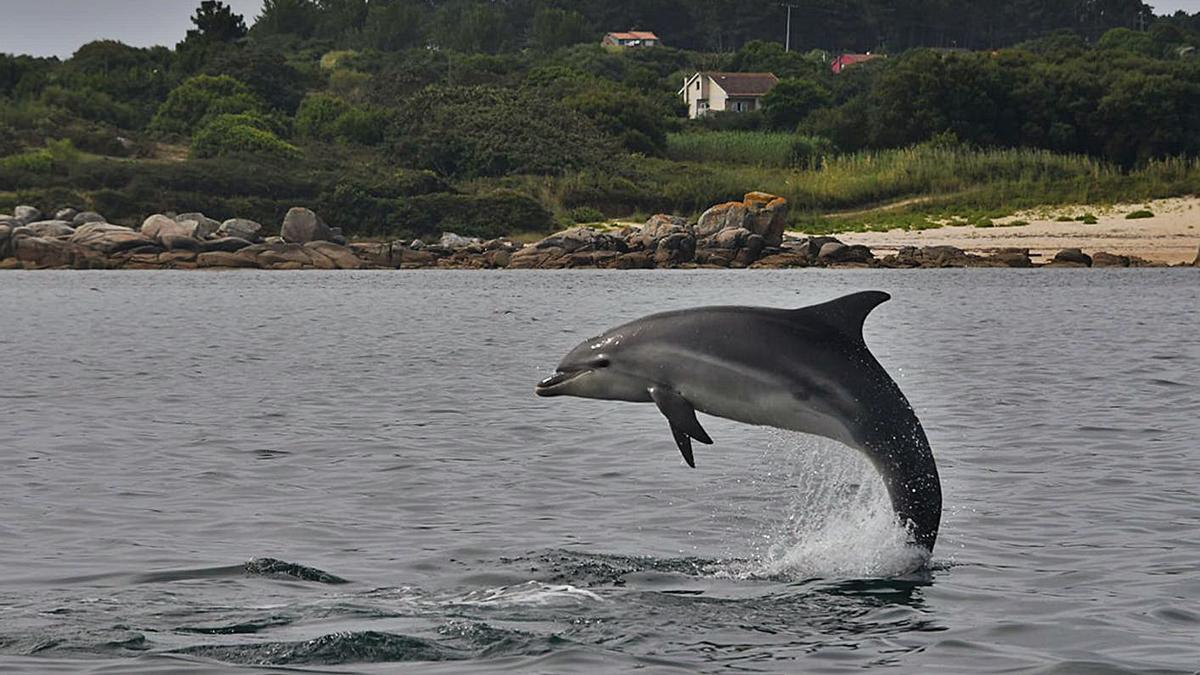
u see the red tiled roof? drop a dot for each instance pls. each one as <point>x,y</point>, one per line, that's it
<point>744,84</point>
<point>635,35</point>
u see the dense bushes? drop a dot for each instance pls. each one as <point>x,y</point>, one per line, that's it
<point>236,134</point>
<point>487,215</point>
<point>488,131</point>
<point>327,118</point>
<point>198,97</point>
<point>1116,104</point>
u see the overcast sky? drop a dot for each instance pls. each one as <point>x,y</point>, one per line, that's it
<point>59,27</point>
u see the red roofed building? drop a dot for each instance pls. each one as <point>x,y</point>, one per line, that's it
<point>634,38</point>
<point>840,63</point>
<point>707,92</point>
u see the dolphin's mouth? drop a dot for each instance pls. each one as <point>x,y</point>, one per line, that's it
<point>552,386</point>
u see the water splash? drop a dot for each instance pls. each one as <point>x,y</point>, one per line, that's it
<point>838,521</point>
<point>529,593</point>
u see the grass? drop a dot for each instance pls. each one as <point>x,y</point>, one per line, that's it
<point>912,188</point>
<point>752,148</point>
<point>1139,214</point>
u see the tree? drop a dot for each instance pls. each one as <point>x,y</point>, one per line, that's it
<point>393,26</point>
<point>553,28</point>
<point>791,100</point>
<point>216,22</point>
<point>1131,41</point>
<point>199,97</point>
<point>287,17</point>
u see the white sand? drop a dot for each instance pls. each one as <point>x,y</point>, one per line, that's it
<point>1171,236</point>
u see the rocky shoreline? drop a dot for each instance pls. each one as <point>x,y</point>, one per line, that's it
<point>745,234</point>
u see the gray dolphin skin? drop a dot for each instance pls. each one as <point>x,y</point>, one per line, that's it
<point>805,370</point>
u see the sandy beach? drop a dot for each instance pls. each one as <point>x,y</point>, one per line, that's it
<point>1171,236</point>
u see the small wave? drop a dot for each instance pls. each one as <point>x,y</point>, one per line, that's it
<point>529,593</point>
<point>257,567</point>
<point>597,569</point>
<point>271,567</point>
<point>240,628</point>
<point>329,650</point>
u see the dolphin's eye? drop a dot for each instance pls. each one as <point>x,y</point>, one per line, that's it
<point>600,363</point>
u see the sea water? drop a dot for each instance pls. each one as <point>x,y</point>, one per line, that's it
<point>371,441</point>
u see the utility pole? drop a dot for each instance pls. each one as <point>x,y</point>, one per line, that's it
<point>787,43</point>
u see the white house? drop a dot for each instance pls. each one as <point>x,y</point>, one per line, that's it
<point>634,38</point>
<point>707,92</point>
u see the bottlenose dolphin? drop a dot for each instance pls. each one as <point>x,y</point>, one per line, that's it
<point>804,369</point>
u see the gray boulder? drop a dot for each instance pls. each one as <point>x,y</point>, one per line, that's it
<point>675,249</point>
<point>301,225</point>
<point>5,241</point>
<point>109,239</point>
<point>51,229</point>
<point>178,242</point>
<point>730,215</point>
<point>659,226</point>
<point>158,226</point>
<point>84,217</point>
<point>582,239</point>
<point>837,252</point>
<point>39,253</point>
<point>831,250</point>
<point>65,214</point>
<point>205,226</point>
<point>730,238</point>
<point>752,250</point>
<point>341,257</point>
<point>1073,256</point>
<point>26,214</point>
<point>452,241</point>
<point>241,228</point>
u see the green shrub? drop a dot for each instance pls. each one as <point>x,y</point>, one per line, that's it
<point>318,115</point>
<point>487,216</point>
<point>203,96</point>
<point>586,214</point>
<point>237,134</point>
<point>489,131</point>
<point>366,126</point>
<point>33,168</point>
<point>33,162</point>
<point>1139,214</point>
<point>778,149</point>
<point>95,106</point>
<point>349,83</point>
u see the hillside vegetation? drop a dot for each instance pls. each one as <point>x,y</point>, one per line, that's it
<point>404,119</point>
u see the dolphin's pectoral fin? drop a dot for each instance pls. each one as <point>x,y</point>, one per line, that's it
<point>685,445</point>
<point>682,416</point>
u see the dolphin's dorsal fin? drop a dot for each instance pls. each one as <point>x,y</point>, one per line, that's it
<point>847,313</point>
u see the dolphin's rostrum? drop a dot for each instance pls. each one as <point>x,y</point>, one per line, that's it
<point>804,369</point>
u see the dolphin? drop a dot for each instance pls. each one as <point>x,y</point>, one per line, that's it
<point>805,369</point>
